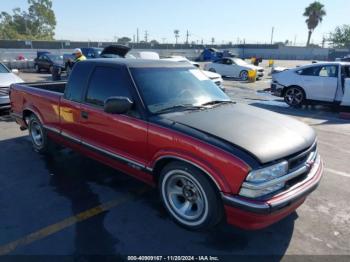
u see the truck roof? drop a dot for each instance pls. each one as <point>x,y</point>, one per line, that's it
<point>138,63</point>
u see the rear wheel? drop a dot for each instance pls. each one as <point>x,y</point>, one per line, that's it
<point>294,96</point>
<point>38,135</point>
<point>189,197</point>
<point>37,68</point>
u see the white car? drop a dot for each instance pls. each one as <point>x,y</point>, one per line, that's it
<point>318,83</point>
<point>234,67</point>
<point>215,77</point>
<point>7,78</point>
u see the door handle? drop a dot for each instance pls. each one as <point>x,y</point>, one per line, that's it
<point>84,114</point>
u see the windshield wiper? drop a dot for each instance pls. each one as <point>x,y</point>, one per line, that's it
<point>217,102</point>
<point>181,106</point>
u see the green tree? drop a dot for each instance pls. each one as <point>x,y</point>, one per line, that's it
<point>341,36</point>
<point>314,13</point>
<point>38,23</point>
<point>124,40</point>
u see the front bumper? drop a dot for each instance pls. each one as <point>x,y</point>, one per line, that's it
<point>250,214</point>
<point>277,89</point>
<point>5,103</point>
<point>260,74</point>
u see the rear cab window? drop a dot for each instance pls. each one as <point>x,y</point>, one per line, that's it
<point>77,82</point>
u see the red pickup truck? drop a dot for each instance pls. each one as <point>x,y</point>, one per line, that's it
<point>168,125</point>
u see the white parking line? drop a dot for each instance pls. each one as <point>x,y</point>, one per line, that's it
<point>335,146</point>
<point>339,173</point>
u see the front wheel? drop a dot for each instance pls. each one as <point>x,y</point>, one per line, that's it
<point>189,197</point>
<point>294,96</point>
<point>244,75</point>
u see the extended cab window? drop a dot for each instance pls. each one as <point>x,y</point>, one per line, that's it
<point>106,82</point>
<point>77,82</point>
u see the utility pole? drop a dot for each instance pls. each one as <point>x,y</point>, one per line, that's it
<point>137,36</point>
<point>187,36</point>
<point>146,36</point>
<point>295,40</point>
<point>272,32</point>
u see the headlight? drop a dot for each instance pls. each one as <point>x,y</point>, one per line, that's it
<point>257,182</point>
<point>268,173</point>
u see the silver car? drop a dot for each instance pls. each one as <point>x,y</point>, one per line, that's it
<point>7,78</point>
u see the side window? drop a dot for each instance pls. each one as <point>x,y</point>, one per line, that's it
<point>329,71</point>
<point>106,82</point>
<point>310,71</point>
<point>77,82</point>
<point>227,61</point>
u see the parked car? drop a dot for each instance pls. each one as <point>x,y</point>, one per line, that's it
<point>7,77</point>
<point>344,59</point>
<point>216,78</point>
<point>47,62</point>
<point>212,54</point>
<point>165,124</point>
<point>234,67</point>
<point>315,83</point>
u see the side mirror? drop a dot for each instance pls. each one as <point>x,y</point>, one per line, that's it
<point>15,71</point>
<point>118,105</point>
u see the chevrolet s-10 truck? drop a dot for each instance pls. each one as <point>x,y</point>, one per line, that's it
<point>168,125</point>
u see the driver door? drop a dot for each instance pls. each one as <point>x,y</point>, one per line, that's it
<point>122,137</point>
<point>227,67</point>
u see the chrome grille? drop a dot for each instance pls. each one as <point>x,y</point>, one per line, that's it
<point>4,91</point>
<point>300,159</point>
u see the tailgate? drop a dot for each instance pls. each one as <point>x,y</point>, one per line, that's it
<point>43,103</point>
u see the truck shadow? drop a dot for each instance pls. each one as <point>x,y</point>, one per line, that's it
<point>72,181</point>
<point>141,225</point>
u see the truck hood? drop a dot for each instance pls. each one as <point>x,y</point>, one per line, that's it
<point>7,79</point>
<point>266,135</point>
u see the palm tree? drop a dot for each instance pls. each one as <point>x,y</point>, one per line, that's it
<point>314,13</point>
<point>177,34</point>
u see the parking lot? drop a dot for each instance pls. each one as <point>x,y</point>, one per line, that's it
<point>67,204</point>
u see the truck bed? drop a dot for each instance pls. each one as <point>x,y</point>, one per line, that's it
<point>58,87</point>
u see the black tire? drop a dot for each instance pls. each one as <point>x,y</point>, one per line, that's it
<point>190,197</point>
<point>294,96</point>
<point>38,135</point>
<point>243,75</point>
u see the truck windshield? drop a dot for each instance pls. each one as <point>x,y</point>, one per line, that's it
<point>177,88</point>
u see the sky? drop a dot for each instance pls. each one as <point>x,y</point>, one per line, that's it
<point>225,20</point>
